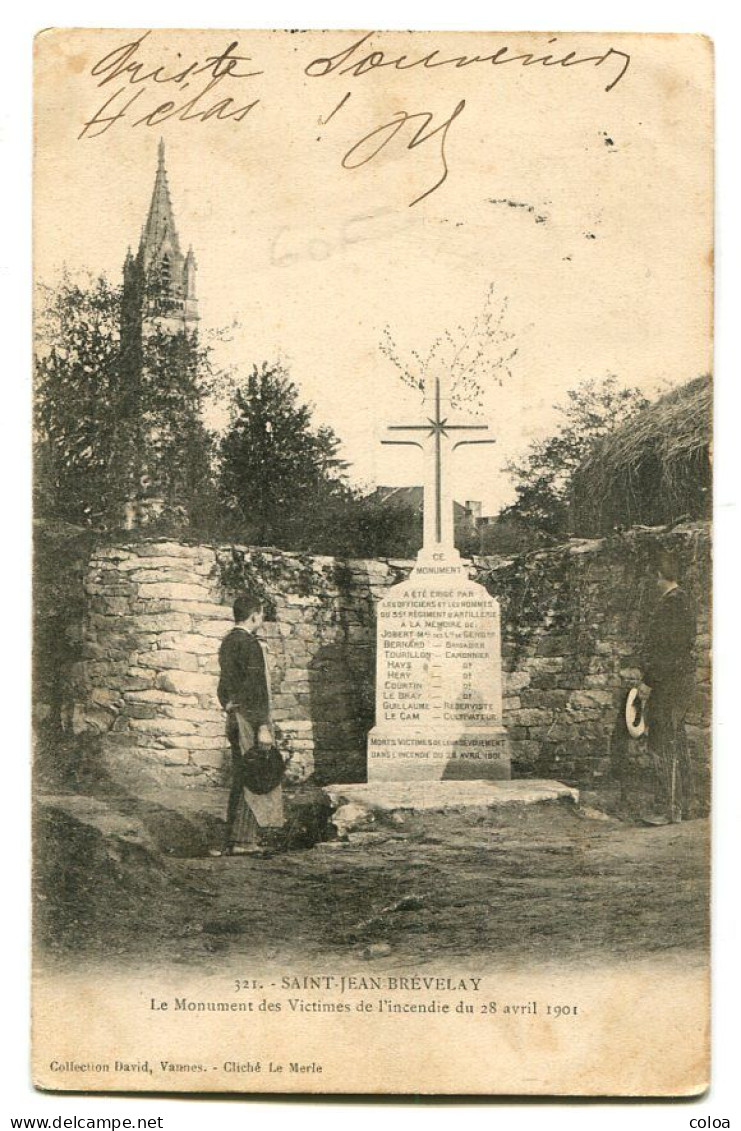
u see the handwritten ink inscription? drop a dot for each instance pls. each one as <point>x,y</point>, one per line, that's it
<point>122,65</point>
<point>135,99</point>
<point>372,144</point>
<point>375,60</point>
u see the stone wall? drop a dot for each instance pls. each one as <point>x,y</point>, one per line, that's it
<point>155,615</point>
<point>572,620</point>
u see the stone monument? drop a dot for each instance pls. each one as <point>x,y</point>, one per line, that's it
<point>438,667</point>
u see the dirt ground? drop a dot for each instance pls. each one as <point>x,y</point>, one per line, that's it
<point>541,883</point>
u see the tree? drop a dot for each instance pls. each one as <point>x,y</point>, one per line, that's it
<point>78,390</point>
<point>543,476</point>
<point>115,414</point>
<point>174,449</point>
<point>356,525</point>
<point>470,358</point>
<point>279,475</point>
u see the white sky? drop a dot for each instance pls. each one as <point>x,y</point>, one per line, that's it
<point>312,260</point>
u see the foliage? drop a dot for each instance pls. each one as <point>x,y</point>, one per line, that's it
<point>362,527</point>
<point>543,477</point>
<point>469,358</point>
<point>279,474</point>
<point>173,446</point>
<point>78,392</point>
<point>282,481</point>
<point>262,574</point>
<point>60,557</point>
<point>116,416</point>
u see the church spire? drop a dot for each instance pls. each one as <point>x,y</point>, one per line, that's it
<point>158,302</point>
<point>160,236</point>
<point>166,285</point>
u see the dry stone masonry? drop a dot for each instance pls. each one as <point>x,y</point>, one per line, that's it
<point>155,616</point>
<point>154,613</point>
<point>147,679</point>
<point>573,622</point>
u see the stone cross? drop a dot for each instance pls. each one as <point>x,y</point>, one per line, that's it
<point>438,501</point>
<point>438,638</point>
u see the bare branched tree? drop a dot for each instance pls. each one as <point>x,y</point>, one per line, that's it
<point>472,358</point>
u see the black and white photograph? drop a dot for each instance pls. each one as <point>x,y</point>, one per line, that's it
<point>372,562</point>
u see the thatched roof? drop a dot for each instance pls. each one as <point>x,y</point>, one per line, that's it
<point>653,470</point>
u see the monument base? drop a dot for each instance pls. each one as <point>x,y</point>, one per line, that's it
<point>438,754</point>
<point>437,796</point>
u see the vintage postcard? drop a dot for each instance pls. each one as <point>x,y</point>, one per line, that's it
<point>372,576</point>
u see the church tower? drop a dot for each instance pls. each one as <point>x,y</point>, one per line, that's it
<point>160,282</point>
<point>159,315</point>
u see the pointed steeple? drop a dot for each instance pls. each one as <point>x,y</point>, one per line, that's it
<point>159,235</point>
<point>159,298</point>
<point>160,280</point>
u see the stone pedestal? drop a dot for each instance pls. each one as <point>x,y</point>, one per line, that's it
<point>438,679</point>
